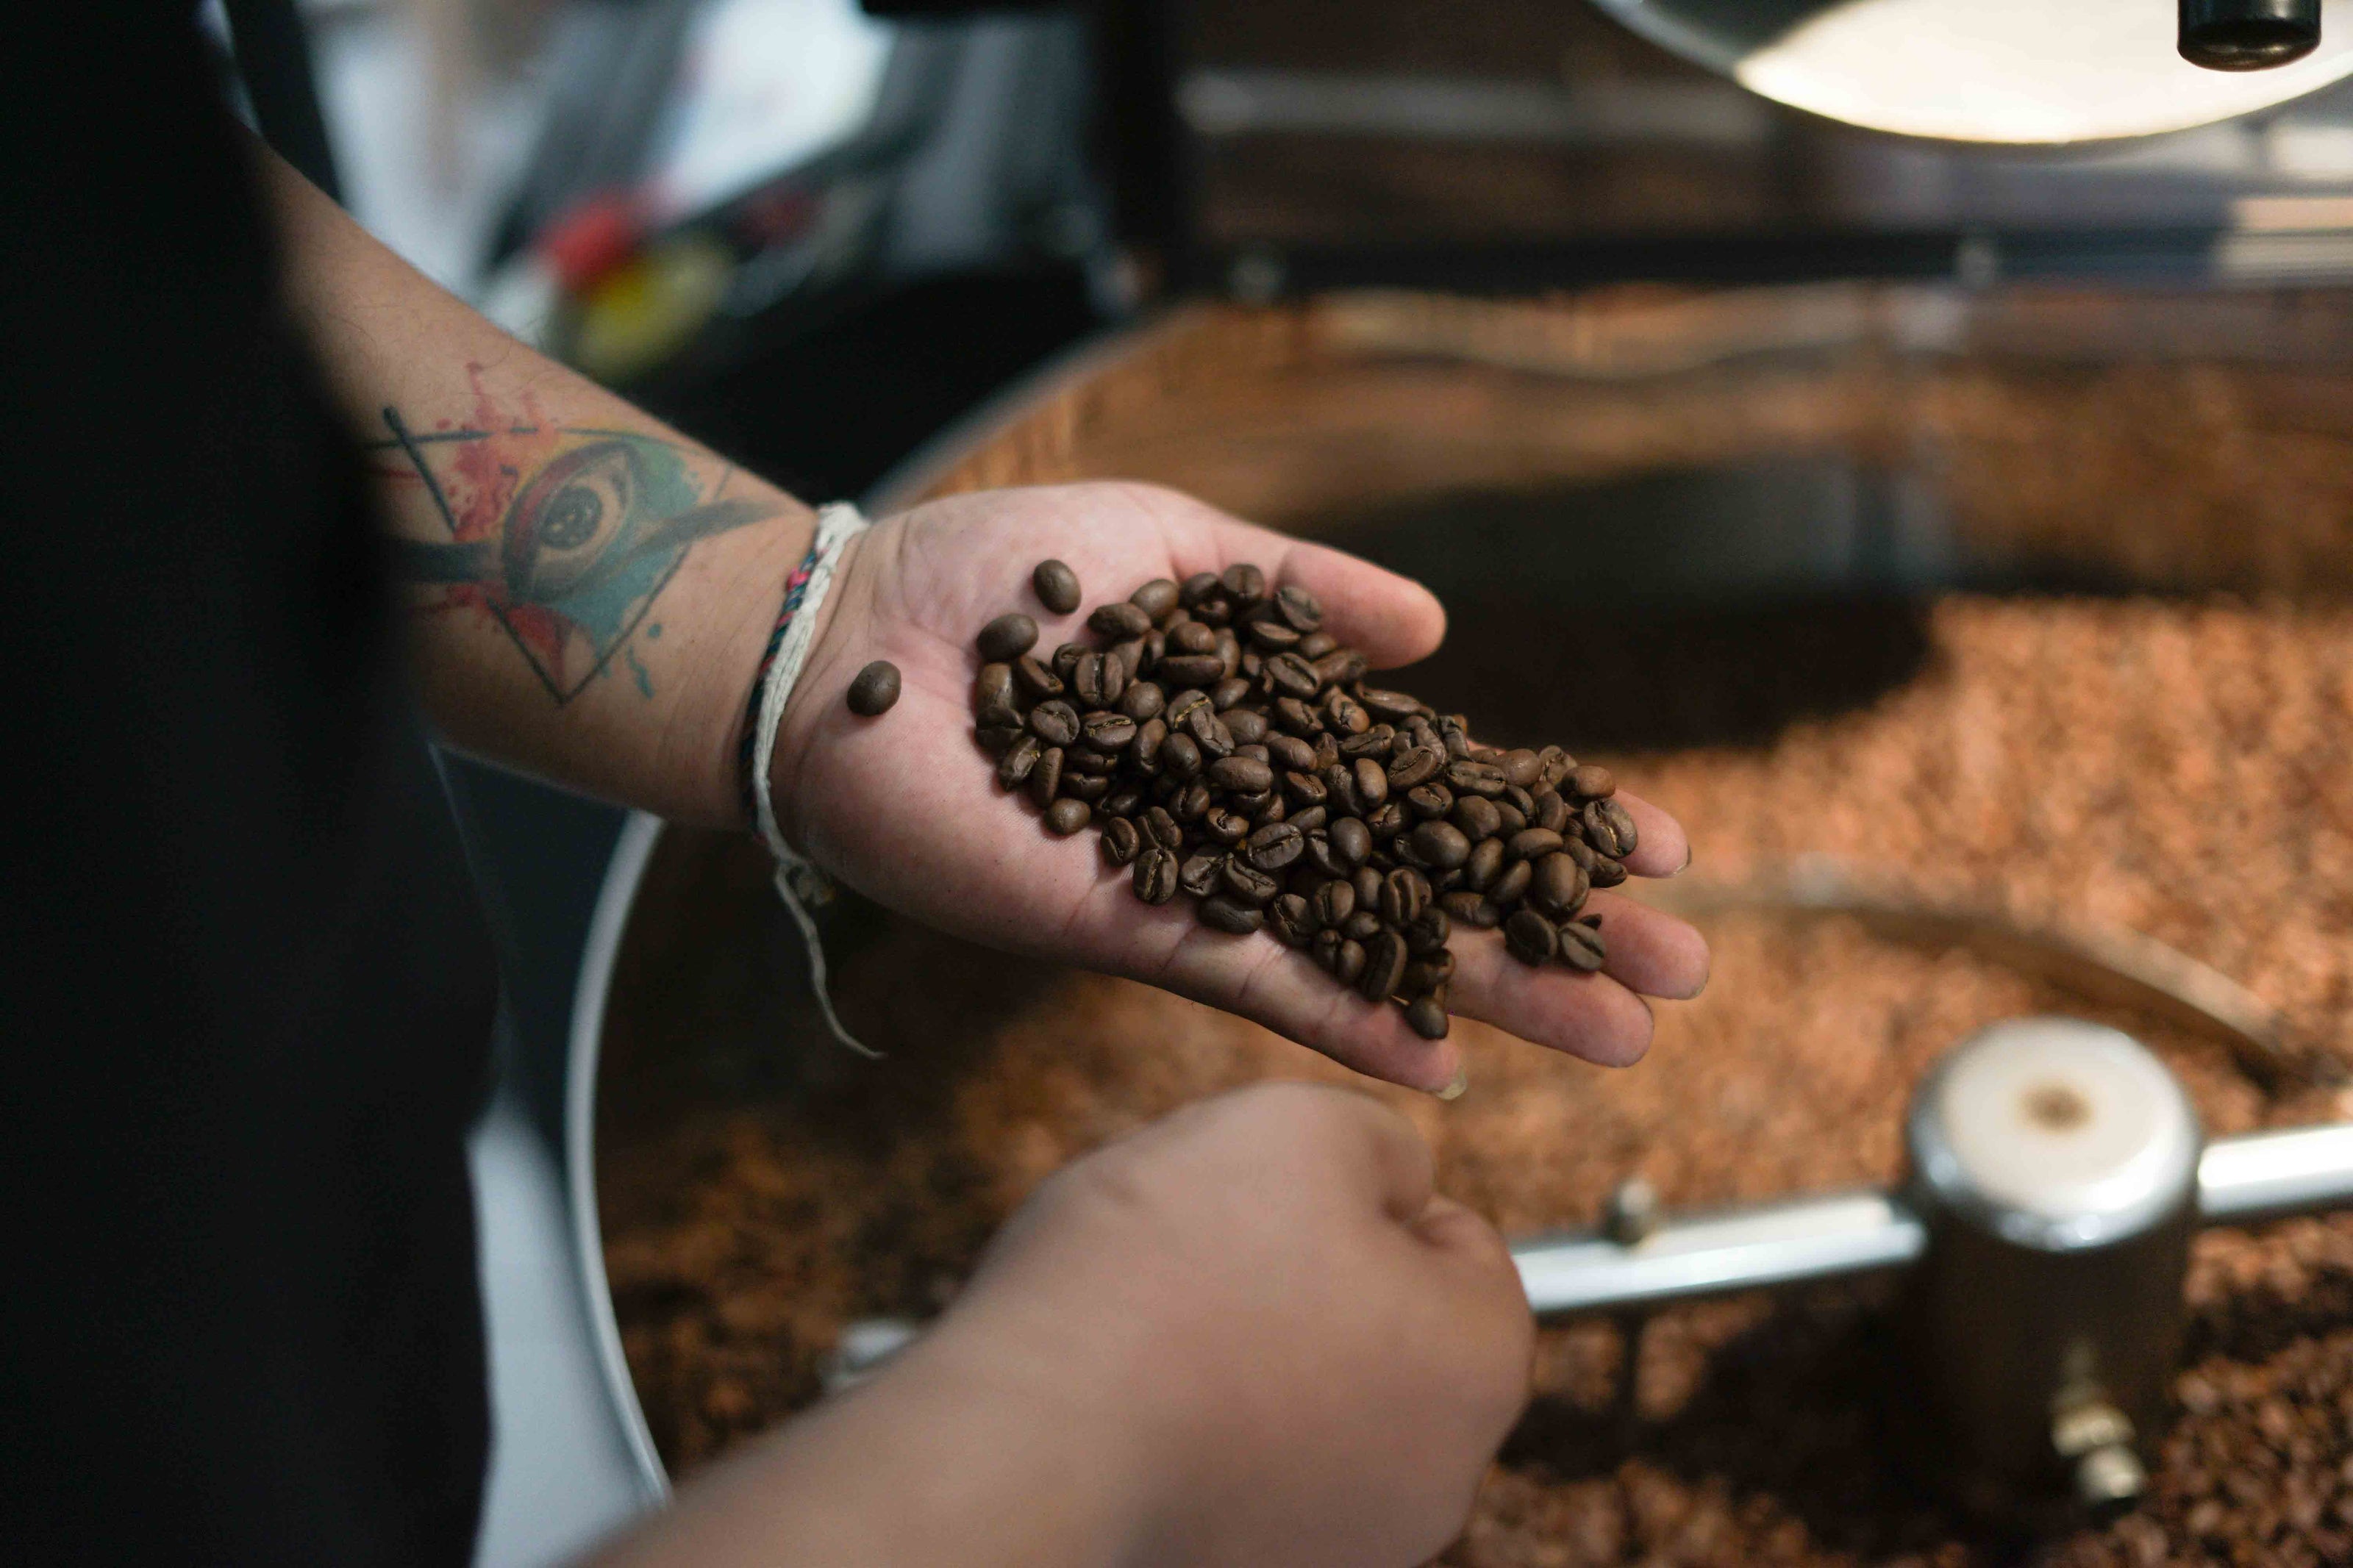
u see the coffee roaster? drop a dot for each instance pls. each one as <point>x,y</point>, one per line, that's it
<point>1946,153</point>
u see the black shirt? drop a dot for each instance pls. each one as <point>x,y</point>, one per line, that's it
<point>247,994</point>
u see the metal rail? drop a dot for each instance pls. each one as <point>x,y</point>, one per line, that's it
<point>2261,1175</point>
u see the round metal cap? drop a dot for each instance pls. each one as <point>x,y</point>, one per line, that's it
<point>2054,1133</point>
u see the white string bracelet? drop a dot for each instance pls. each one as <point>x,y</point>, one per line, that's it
<point>804,888</point>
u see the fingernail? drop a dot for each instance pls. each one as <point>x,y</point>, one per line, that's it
<point>1687,860</point>
<point>1455,1085</point>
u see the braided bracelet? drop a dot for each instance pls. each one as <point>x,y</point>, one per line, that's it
<point>804,888</point>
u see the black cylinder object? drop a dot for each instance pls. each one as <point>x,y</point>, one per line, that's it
<point>2248,35</point>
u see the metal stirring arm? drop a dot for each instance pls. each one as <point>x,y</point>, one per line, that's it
<point>2262,1176</point>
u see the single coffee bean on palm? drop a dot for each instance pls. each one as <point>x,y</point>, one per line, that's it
<point>1008,638</point>
<point>1056,585</point>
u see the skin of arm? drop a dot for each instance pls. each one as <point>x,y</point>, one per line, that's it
<point>590,591</point>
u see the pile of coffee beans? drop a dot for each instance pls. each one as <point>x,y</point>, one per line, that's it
<point>1227,748</point>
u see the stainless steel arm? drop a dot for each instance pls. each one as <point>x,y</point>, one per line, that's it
<point>1777,1244</point>
<point>2240,1180</point>
<point>2266,1175</point>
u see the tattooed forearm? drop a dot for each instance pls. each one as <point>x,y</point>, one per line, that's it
<point>563,536</point>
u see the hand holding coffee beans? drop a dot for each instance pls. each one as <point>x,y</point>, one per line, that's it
<point>1227,748</point>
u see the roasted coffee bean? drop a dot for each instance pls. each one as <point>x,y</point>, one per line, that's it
<point>998,739</point>
<point>1440,844</point>
<point>1249,884</point>
<point>1183,704</point>
<point>1609,828</point>
<point>1581,948</point>
<point>1242,775</point>
<point>1252,664</point>
<point>1296,717</point>
<point>1552,812</point>
<point>1606,873</point>
<point>1161,828</point>
<point>1305,788</point>
<point>1509,820</point>
<point>1275,846</point>
<point>1271,636</point>
<point>1520,768</point>
<point>1287,917</point>
<point>1520,801</point>
<point>1384,958</point>
<point>1325,950</point>
<point>1214,611</point>
<point>1339,668</point>
<point>1150,737</point>
<point>1307,818</point>
<point>1034,681</point>
<point>1362,926</point>
<point>1334,901</point>
<point>1056,585</point>
<point>1143,700</point>
<point>1155,875</point>
<point>1045,779</point>
<point>1244,583</point>
<point>1557,886</point>
<point>1315,644</point>
<point>1156,598</point>
<point>1592,782</point>
<point>1129,656</point>
<point>1122,841</point>
<point>1086,679</point>
<point>1371,781</point>
<point>1387,820</point>
<point>1056,722</point>
<point>1223,911</point>
<point>1431,802</point>
<point>1404,893</point>
<point>1349,961</point>
<point>1209,733</point>
<point>1347,715</point>
<point>1485,864</point>
<point>1300,610</point>
<point>1008,638</point>
<point>1119,620</point>
<point>1320,854</point>
<point>1372,743</point>
<point>1475,816</point>
<point>1395,707</point>
<point>1192,803</point>
<point>1067,816</point>
<point>1019,758</point>
<point>1192,669</point>
<point>1430,932</point>
<point>1085,761</point>
<point>1225,694</point>
<point>1468,908</point>
<point>1417,764</point>
<point>1351,841</point>
<point>1475,778</point>
<point>1228,827</point>
<point>1290,753</point>
<point>1531,938</point>
<point>1292,675</point>
<point>1203,872</point>
<point>1108,732</point>
<point>993,687</point>
<point>1125,801</point>
<point>1229,650</point>
<point>1511,885</point>
<point>1180,757</point>
<point>1080,787</point>
<point>1066,658</point>
<point>1426,1015</point>
<point>1248,726</point>
<point>1532,843</point>
<point>1197,587</point>
<point>1191,637</point>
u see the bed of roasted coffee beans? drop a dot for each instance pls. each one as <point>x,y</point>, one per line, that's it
<point>1227,747</point>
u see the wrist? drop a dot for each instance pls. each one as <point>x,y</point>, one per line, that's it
<point>823,675</point>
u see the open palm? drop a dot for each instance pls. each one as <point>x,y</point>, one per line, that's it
<point>906,808</point>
